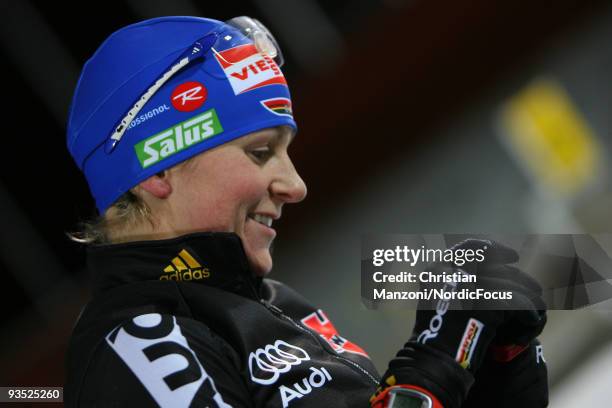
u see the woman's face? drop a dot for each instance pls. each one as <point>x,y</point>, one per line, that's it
<point>239,187</point>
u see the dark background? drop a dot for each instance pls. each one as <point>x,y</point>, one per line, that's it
<point>394,101</point>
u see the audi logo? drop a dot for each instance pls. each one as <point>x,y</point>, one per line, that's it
<point>268,363</point>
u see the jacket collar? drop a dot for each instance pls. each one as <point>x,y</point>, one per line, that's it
<point>214,259</point>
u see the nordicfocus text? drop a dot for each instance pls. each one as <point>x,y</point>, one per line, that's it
<point>441,294</point>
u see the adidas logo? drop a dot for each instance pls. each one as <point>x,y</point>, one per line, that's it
<point>184,267</point>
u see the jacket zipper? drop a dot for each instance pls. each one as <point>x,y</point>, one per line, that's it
<point>279,313</point>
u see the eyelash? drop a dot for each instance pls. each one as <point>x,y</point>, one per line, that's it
<point>262,154</point>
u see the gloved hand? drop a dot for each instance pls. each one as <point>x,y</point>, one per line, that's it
<point>448,346</point>
<point>519,382</point>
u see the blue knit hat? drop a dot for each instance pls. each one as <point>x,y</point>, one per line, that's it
<point>163,90</point>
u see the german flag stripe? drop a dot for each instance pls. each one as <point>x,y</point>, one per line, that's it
<point>278,106</point>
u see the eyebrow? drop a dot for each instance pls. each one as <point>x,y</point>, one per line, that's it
<point>276,133</point>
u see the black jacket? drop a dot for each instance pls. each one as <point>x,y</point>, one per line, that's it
<point>182,322</point>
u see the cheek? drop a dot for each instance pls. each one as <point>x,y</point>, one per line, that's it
<point>243,184</point>
<point>243,196</point>
<point>224,204</point>
<point>246,189</point>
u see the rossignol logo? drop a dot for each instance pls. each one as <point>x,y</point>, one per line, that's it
<point>177,138</point>
<point>319,322</point>
<point>435,324</point>
<point>278,106</point>
<point>247,69</point>
<point>148,115</point>
<point>268,363</point>
<point>317,378</point>
<point>188,96</point>
<point>184,267</point>
<point>468,342</point>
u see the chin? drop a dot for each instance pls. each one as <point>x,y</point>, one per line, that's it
<point>261,265</point>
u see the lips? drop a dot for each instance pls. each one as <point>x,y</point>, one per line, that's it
<point>265,220</point>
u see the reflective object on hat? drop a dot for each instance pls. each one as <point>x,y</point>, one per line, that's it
<point>252,28</point>
<point>112,133</point>
<point>260,35</point>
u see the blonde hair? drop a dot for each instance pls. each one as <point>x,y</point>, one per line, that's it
<point>128,211</point>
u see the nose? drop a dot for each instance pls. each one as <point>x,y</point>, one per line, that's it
<point>287,185</point>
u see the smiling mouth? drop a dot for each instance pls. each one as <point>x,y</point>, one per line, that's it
<point>262,219</point>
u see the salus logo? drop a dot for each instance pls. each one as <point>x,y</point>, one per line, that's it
<point>177,138</point>
<point>184,267</point>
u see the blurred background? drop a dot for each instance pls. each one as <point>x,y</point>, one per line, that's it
<point>415,117</point>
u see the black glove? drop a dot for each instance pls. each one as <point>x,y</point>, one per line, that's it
<point>520,382</point>
<point>448,346</point>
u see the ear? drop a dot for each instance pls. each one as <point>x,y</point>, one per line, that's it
<point>158,186</point>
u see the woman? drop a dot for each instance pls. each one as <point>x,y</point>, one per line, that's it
<point>181,126</point>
